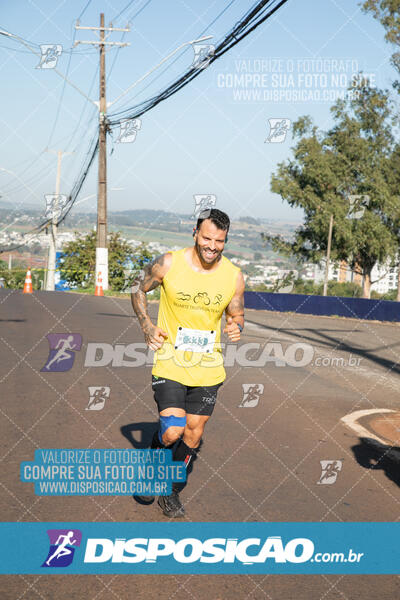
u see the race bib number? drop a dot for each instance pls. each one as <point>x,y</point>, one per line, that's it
<point>195,340</point>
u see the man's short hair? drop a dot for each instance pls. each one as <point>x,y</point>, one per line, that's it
<point>219,218</point>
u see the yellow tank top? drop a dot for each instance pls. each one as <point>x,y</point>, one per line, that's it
<point>191,307</point>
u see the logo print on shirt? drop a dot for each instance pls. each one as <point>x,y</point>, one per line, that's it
<point>183,297</point>
<point>202,297</point>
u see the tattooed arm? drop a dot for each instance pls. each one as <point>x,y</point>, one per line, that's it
<point>154,273</point>
<point>235,311</point>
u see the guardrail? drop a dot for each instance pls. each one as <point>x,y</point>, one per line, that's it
<point>356,308</point>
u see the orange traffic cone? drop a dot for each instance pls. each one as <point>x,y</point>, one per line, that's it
<point>28,283</point>
<point>99,286</point>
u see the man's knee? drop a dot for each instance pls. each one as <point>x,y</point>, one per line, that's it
<point>171,428</point>
<point>194,433</point>
<point>171,435</point>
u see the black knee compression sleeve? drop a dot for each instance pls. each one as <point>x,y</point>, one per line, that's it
<point>184,453</point>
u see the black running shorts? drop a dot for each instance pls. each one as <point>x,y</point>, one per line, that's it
<point>193,400</point>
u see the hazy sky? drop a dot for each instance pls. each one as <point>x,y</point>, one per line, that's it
<point>209,138</point>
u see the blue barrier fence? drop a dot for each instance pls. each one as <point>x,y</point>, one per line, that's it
<point>356,308</point>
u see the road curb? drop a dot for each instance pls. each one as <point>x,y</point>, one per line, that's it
<point>351,421</point>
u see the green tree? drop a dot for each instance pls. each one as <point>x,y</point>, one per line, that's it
<point>79,261</point>
<point>393,209</point>
<point>327,169</point>
<point>387,12</point>
<point>15,278</point>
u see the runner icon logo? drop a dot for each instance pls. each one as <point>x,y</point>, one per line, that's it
<point>330,471</point>
<point>63,543</point>
<point>128,130</point>
<point>251,394</point>
<point>278,130</point>
<point>62,351</point>
<point>97,397</point>
<point>49,56</point>
<point>203,202</point>
<point>202,55</point>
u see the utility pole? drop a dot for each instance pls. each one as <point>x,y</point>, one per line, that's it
<point>51,262</point>
<point>328,256</point>
<point>102,249</point>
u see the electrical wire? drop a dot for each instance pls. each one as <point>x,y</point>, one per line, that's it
<point>61,96</point>
<point>178,57</point>
<point>84,10</point>
<point>123,10</point>
<point>130,19</point>
<point>253,18</point>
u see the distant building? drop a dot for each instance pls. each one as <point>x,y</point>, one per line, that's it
<point>384,277</point>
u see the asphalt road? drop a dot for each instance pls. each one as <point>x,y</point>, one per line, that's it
<point>260,460</point>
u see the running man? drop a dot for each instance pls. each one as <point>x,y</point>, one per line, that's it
<point>62,346</point>
<point>62,549</point>
<point>197,285</point>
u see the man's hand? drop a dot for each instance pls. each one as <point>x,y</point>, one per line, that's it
<point>154,336</point>
<point>232,330</point>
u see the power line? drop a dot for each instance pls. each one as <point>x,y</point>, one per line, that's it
<point>139,11</point>
<point>84,10</point>
<point>179,55</point>
<point>61,96</point>
<point>243,28</point>
<point>123,10</point>
<point>130,19</point>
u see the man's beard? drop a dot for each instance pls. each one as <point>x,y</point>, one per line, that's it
<point>201,254</point>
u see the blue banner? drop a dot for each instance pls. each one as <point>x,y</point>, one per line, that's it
<point>355,308</point>
<point>204,548</point>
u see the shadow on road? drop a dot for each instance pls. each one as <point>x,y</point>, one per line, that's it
<point>12,320</point>
<point>331,341</point>
<point>115,315</point>
<point>372,455</point>
<point>146,431</point>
